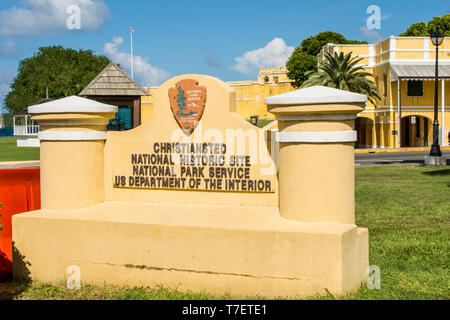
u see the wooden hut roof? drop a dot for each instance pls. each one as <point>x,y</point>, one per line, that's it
<point>113,81</point>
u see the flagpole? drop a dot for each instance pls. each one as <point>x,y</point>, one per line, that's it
<point>132,67</point>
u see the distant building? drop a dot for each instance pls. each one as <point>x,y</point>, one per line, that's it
<point>250,94</point>
<point>26,130</point>
<point>404,69</point>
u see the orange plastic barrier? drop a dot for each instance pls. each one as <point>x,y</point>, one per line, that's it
<point>19,192</point>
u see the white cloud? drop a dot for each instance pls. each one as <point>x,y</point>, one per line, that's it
<point>144,72</point>
<point>273,55</point>
<point>37,17</point>
<point>370,33</point>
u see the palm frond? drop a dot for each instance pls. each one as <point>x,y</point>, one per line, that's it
<point>342,71</point>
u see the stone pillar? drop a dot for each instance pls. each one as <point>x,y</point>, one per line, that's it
<point>72,138</point>
<point>316,153</point>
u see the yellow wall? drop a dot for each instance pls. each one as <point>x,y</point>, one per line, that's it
<point>250,98</point>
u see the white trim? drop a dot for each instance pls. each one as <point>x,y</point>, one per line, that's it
<point>411,50</point>
<point>408,61</point>
<point>372,55</point>
<point>317,136</point>
<point>404,108</point>
<point>419,61</point>
<point>315,95</point>
<point>72,104</point>
<point>288,117</point>
<point>72,135</point>
<point>426,46</point>
<point>392,48</point>
<point>75,122</point>
<point>70,109</point>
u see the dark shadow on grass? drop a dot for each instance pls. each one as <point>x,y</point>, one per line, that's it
<point>12,285</point>
<point>398,162</point>
<point>20,265</point>
<point>441,172</point>
<point>5,266</point>
<point>11,289</point>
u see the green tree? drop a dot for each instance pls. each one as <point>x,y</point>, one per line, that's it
<point>340,72</point>
<point>421,29</point>
<point>299,64</point>
<point>443,23</point>
<point>304,57</point>
<point>64,71</point>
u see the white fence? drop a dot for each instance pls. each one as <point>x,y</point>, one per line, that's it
<point>26,130</point>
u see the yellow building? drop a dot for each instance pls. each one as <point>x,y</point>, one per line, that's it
<point>404,69</point>
<point>249,94</point>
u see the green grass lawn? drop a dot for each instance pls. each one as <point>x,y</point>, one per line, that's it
<point>407,211</point>
<point>262,122</point>
<point>10,152</point>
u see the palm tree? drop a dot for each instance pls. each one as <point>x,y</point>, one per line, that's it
<point>340,72</point>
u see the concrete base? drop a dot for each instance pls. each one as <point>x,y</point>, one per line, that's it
<point>240,250</point>
<point>435,161</point>
<point>27,141</point>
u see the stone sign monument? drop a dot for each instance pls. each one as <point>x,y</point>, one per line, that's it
<point>192,198</point>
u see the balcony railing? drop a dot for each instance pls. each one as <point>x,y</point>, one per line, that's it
<point>26,130</point>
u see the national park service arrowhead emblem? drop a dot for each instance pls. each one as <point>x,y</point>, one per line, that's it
<point>187,101</point>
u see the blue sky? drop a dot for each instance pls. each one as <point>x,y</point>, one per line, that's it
<point>227,39</point>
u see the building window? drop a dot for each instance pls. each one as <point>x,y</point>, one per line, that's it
<point>385,80</point>
<point>275,79</point>
<point>415,88</point>
<point>266,79</point>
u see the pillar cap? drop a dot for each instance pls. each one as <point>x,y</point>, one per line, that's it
<point>72,104</point>
<point>316,95</point>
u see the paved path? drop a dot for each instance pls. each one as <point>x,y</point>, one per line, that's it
<point>19,164</point>
<point>393,159</point>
